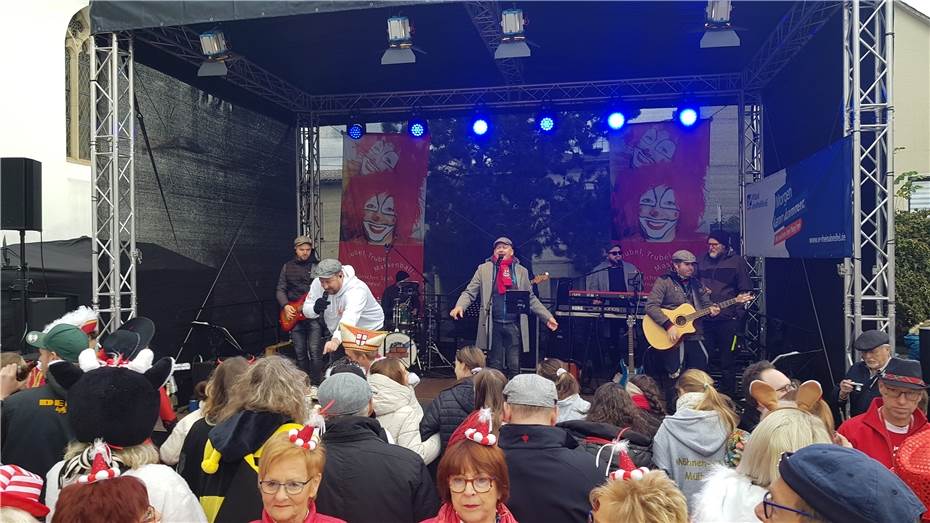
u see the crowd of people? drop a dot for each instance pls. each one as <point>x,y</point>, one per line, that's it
<point>274,440</point>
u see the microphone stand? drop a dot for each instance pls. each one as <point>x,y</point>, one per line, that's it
<point>488,309</point>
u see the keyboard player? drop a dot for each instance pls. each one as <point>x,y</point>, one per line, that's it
<point>613,274</point>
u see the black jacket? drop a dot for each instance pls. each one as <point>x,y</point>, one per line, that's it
<point>448,411</point>
<point>35,429</point>
<point>859,401</point>
<point>294,280</point>
<point>592,436</point>
<point>367,480</point>
<point>550,478</point>
<point>726,277</point>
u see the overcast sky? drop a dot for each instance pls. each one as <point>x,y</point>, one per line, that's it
<point>921,5</point>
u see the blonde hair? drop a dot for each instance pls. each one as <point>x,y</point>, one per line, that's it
<point>472,357</point>
<point>654,498</point>
<point>565,384</point>
<point>15,515</point>
<point>783,430</point>
<point>695,380</point>
<point>279,448</point>
<point>219,390</point>
<point>272,384</point>
<point>79,458</point>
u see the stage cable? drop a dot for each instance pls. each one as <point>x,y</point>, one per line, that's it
<point>42,258</point>
<point>148,148</point>
<point>810,292</point>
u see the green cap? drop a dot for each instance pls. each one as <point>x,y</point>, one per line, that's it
<point>65,340</point>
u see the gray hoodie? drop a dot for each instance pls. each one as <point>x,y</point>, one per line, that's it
<point>688,445</point>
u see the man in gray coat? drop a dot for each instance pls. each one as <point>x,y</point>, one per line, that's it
<point>498,274</point>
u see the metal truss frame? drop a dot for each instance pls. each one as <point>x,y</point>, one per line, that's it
<point>112,147</point>
<point>751,170</point>
<point>486,16</point>
<point>868,109</point>
<point>309,200</point>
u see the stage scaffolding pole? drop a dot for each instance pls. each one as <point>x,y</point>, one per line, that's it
<point>868,45</point>
<point>309,200</point>
<point>112,146</point>
<point>750,161</point>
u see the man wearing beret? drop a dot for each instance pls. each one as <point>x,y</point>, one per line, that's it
<point>892,418</point>
<point>860,386</point>
<point>35,429</point>
<point>826,482</point>
<point>507,331</point>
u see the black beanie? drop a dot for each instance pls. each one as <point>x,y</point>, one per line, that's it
<point>721,236</point>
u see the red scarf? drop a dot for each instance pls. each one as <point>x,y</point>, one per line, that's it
<point>640,401</point>
<point>447,515</point>
<point>504,275</point>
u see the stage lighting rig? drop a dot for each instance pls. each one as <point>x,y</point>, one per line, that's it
<point>400,42</point>
<point>513,44</point>
<point>546,120</point>
<point>417,127</point>
<point>687,115</point>
<point>718,30</point>
<point>213,45</point>
<point>480,125</point>
<point>355,130</point>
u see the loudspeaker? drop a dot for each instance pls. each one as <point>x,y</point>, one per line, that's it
<point>21,194</point>
<point>43,311</point>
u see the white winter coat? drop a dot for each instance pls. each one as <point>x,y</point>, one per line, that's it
<point>726,497</point>
<point>399,412</point>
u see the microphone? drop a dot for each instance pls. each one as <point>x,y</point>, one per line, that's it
<point>205,324</point>
<point>500,258</point>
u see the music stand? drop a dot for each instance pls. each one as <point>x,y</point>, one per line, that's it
<point>518,302</point>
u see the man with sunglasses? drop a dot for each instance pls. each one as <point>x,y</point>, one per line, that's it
<point>826,482</point>
<point>893,417</point>
<point>725,274</point>
<point>612,274</point>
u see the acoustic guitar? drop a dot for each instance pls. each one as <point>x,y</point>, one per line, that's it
<point>683,317</point>
<point>288,325</point>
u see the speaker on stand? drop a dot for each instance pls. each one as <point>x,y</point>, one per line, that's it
<point>21,210</point>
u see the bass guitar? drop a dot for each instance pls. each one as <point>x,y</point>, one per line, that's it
<point>287,325</point>
<point>683,317</point>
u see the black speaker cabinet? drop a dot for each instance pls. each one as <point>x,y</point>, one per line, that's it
<point>43,311</point>
<point>21,194</point>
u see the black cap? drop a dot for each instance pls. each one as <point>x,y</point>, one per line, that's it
<point>869,340</point>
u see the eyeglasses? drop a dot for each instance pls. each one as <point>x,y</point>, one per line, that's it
<point>272,487</point>
<point>786,389</point>
<point>615,253</point>
<point>151,515</point>
<point>768,507</point>
<point>480,484</point>
<point>913,395</point>
<point>713,244</point>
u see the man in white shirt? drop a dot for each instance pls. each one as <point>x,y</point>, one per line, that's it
<point>339,296</point>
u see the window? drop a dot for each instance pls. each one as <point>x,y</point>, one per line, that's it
<point>77,87</point>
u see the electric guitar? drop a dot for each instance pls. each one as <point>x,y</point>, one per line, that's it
<point>683,317</point>
<point>287,325</point>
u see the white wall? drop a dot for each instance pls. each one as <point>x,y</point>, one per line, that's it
<point>32,111</point>
<point>911,91</point>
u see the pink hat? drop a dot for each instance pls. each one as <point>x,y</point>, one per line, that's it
<point>626,468</point>
<point>20,489</point>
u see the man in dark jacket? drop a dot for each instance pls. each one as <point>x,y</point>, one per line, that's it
<point>448,410</point>
<point>550,478</point>
<point>293,284</point>
<point>367,479</point>
<point>860,386</point>
<point>725,274</point>
<point>35,429</point>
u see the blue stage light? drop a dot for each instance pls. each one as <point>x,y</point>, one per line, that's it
<point>356,130</point>
<point>616,120</point>
<point>546,123</point>
<point>417,127</point>
<point>687,116</point>
<point>479,126</point>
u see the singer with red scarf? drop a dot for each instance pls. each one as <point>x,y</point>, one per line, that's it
<point>507,331</point>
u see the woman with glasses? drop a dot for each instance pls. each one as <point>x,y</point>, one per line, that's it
<point>289,476</point>
<point>472,479</point>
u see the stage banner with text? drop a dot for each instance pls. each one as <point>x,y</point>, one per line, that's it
<point>383,206</point>
<point>657,200</point>
<point>804,211</point>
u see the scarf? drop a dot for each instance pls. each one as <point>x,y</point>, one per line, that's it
<point>447,514</point>
<point>689,400</point>
<point>504,275</point>
<point>640,401</point>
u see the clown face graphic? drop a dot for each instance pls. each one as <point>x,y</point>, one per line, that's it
<point>379,219</point>
<point>654,147</point>
<point>658,214</point>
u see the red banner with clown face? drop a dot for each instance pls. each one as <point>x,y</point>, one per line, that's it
<point>383,206</point>
<point>658,172</point>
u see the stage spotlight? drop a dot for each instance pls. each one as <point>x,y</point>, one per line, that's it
<point>616,120</point>
<point>718,31</point>
<point>355,130</point>
<point>400,43</point>
<point>687,116</point>
<point>480,126</point>
<point>417,127</point>
<point>545,121</point>
<point>513,43</point>
<point>213,45</point>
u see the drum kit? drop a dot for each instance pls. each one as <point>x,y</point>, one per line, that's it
<point>409,327</point>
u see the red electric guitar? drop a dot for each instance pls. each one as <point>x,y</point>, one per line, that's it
<point>288,325</point>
